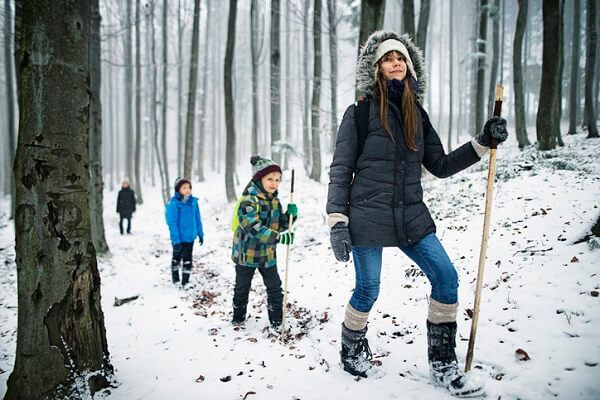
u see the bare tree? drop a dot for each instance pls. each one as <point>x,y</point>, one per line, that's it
<point>546,119</point>
<point>165,96</point>
<point>129,144</point>
<point>256,45</point>
<point>306,147</point>
<point>315,173</point>
<point>180,60</point>
<point>205,75</point>
<point>153,96</point>
<point>371,19</point>
<point>451,77</point>
<point>95,134</point>
<point>424,24</point>
<point>229,103</point>
<point>574,103</point>
<point>559,76</point>
<point>193,83</point>
<point>408,17</point>
<point>590,69</point>
<point>10,104</point>
<point>333,23</point>
<point>481,57</point>
<point>61,338</point>
<point>275,80</point>
<point>138,105</point>
<point>520,124</point>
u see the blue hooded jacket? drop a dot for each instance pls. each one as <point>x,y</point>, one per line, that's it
<point>183,218</point>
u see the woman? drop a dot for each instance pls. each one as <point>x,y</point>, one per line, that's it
<point>375,199</point>
<point>126,204</point>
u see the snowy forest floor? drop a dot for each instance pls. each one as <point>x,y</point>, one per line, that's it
<point>540,294</point>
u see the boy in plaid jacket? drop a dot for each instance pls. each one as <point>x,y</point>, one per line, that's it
<point>262,224</point>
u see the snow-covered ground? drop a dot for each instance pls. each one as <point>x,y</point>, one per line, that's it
<point>540,295</point>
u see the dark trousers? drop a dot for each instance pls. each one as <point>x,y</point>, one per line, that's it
<point>243,281</point>
<point>128,218</point>
<point>183,252</point>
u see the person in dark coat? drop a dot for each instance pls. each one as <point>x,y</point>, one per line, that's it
<point>126,205</point>
<point>375,200</point>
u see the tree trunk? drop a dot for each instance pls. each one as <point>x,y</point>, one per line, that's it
<point>204,114</point>
<point>545,120</point>
<point>180,60</point>
<point>307,81</point>
<point>275,81</point>
<point>451,74</point>
<point>424,24</point>
<point>229,103</point>
<point>520,122</point>
<point>481,58</point>
<point>254,43</point>
<point>574,103</point>
<point>165,102</point>
<point>495,16</point>
<point>95,144</point>
<point>17,42</point>
<point>129,145</point>
<point>61,339</point>
<point>590,70</point>
<point>10,106</point>
<point>332,14</point>
<point>153,113</point>
<point>287,134</point>
<point>315,173</point>
<point>559,76</point>
<point>371,19</point>
<point>191,108</point>
<point>138,105</point>
<point>408,17</point>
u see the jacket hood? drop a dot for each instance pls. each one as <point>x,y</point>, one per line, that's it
<point>255,189</point>
<point>365,78</point>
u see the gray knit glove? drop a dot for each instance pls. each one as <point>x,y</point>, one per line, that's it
<point>340,241</point>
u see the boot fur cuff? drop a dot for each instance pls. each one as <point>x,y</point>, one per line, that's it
<point>355,320</point>
<point>440,313</point>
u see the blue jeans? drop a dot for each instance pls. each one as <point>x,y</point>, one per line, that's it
<point>428,254</point>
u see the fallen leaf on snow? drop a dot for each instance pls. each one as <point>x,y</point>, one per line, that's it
<point>248,394</point>
<point>376,363</point>
<point>200,379</point>
<point>225,378</point>
<point>574,259</point>
<point>521,355</point>
<point>594,293</point>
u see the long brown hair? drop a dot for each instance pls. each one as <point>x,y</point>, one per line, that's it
<point>408,109</point>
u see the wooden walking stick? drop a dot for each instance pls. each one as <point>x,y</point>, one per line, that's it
<point>287,264</point>
<point>486,229</point>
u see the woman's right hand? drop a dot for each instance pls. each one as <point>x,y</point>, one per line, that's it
<point>340,241</point>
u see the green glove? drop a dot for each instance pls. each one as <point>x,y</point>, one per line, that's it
<point>292,209</point>
<point>286,238</point>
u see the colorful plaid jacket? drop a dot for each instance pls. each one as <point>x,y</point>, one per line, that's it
<point>255,239</point>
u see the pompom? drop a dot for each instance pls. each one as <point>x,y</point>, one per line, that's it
<point>254,159</point>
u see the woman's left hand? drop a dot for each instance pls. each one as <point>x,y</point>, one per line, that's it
<point>495,128</point>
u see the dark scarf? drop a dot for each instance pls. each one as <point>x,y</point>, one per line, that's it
<point>395,89</point>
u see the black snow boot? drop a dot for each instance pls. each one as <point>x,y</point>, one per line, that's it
<point>275,311</point>
<point>239,315</point>
<point>175,271</point>
<point>443,366</point>
<point>356,352</point>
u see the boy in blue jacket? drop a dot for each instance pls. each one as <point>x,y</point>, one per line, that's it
<point>185,225</point>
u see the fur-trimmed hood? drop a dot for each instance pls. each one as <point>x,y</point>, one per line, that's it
<point>365,79</point>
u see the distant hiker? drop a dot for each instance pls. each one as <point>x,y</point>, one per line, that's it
<point>126,204</point>
<point>185,225</point>
<point>375,199</point>
<point>259,224</point>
